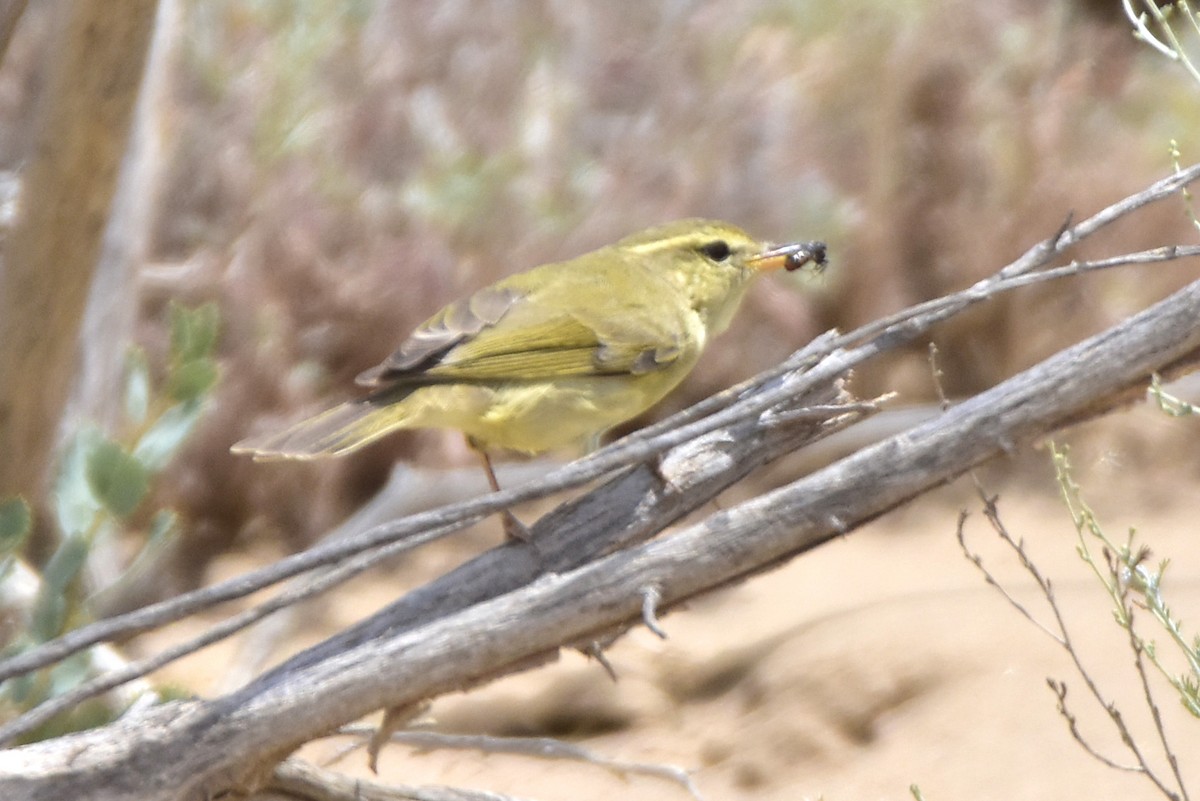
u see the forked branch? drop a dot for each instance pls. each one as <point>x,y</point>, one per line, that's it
<point>515,606</point>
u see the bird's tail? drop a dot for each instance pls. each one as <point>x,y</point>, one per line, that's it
<point>335,432</point>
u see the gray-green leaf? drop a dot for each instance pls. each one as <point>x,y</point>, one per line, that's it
<point>75,505</point>
<point>137,387</point>
<point>117,478</point>
<point>15,523</point>
<point>193,332</point>
<point>190,381</point>
<point>169,431</point>
<point>50,609</point>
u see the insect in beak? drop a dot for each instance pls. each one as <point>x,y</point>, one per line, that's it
<point>791,257</point>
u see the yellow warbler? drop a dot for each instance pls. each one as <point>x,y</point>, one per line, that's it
<point>556,355</point>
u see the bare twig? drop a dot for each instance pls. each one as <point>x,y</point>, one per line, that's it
<point>306,781</point>
<point>546,748</point>
<point>1172,48</point>
<point>977,560</point>
<point>825,411</point>
<point>650,598</point>
<point>1059,689</point>
<point>1061,635</point>
<point>1139,664</point>
<point>130,671</point>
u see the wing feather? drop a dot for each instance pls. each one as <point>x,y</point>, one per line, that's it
<point>508,332</point>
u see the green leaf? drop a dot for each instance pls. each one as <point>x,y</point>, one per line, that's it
<point>193,332</point>
<point>23,692</point>
<point>75,505</point>
<point>71,672</point>
<point>117,478</point>
<point>137,387</point>
<point>163,439</point>
<point>193,340</point>
<point>190,381</point>
<point>15,522</point>
<point>65,564</point>
<point>51,609</point>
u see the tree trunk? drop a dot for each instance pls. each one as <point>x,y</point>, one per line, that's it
<point>63,208</point>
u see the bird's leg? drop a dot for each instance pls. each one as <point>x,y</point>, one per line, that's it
<point>514,529</point>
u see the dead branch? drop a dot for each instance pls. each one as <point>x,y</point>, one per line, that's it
<point>744,401</point>
<point>586,580</point>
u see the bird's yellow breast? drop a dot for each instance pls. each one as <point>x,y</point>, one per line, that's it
<point>538,416</point>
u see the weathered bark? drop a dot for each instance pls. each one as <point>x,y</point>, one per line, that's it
<point>52,250</point>
<point>10,15</point>
<point>431,643</point>
<point>108,323</point>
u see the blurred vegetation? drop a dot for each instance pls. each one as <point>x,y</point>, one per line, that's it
<point>1131,582</point>
<point>338,170</point>
<point>101,504</point>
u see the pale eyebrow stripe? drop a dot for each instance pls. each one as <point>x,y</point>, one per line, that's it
<point>663,244</point>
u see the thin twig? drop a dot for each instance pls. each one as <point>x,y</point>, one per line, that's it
<point>546,748</point>
<point>1142,31</point>
<point>1063,638</point>
<point>1059,689</point>
<point>826,411</point>
<point>1172,48</point>
<point>1139,664</point>
<point>306,781</point>
<point>977,560</point>
<point>331,577</point>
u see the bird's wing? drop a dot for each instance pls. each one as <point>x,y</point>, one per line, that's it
<point>432,340</point>
<point>503,333</point>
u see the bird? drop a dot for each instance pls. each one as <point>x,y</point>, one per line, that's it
<point>554,356</point>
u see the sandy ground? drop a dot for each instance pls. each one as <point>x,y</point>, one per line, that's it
<point>876,662</point>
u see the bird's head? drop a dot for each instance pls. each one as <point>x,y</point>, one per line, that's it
<point>712,262</point>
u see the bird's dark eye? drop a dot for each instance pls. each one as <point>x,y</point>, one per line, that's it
<point>717,250</point>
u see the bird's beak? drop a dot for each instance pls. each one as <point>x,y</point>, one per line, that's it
<point>791,257</point>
